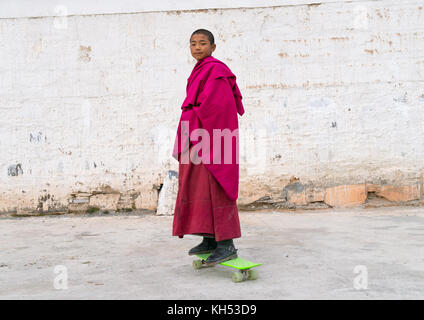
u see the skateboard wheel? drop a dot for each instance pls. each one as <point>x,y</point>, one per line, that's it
<point>237,277</point>
<point>252,274</point>
<point>197,264</point>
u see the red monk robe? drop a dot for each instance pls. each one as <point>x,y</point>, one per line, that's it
<point>208,191</point>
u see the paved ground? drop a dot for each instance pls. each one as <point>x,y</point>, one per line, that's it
<point>329,254</point>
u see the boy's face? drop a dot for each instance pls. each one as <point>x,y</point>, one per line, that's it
<point>200,46</point>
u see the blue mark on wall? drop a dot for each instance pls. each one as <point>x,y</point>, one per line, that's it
<point>15,170</point>
<point>37,137</point>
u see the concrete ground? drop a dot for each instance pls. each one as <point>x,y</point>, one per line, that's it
<point>322,254</point>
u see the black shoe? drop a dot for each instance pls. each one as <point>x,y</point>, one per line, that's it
<point>223,252</point>
<point>206,246</point>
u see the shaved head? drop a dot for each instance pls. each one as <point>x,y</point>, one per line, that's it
<point>206,33</point>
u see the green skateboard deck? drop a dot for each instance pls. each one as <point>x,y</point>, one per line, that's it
<point>244,267</point>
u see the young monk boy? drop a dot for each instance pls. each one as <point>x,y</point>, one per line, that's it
<point>208,188</point>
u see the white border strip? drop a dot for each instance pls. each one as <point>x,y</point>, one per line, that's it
<point>46,8</point>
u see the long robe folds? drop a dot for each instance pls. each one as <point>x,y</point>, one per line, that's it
<point>208,169</point>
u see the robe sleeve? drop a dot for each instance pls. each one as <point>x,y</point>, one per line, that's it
<point>188,123</point>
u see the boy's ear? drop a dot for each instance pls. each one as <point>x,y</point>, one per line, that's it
<point>213,47</point>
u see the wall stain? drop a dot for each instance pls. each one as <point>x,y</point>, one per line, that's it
<point>85,54</point>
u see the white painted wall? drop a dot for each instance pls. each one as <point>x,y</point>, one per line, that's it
<point>334,93</point>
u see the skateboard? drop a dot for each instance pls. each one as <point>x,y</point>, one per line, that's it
<point>244,267</point>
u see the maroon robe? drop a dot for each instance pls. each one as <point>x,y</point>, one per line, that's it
<point>208,191</point>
